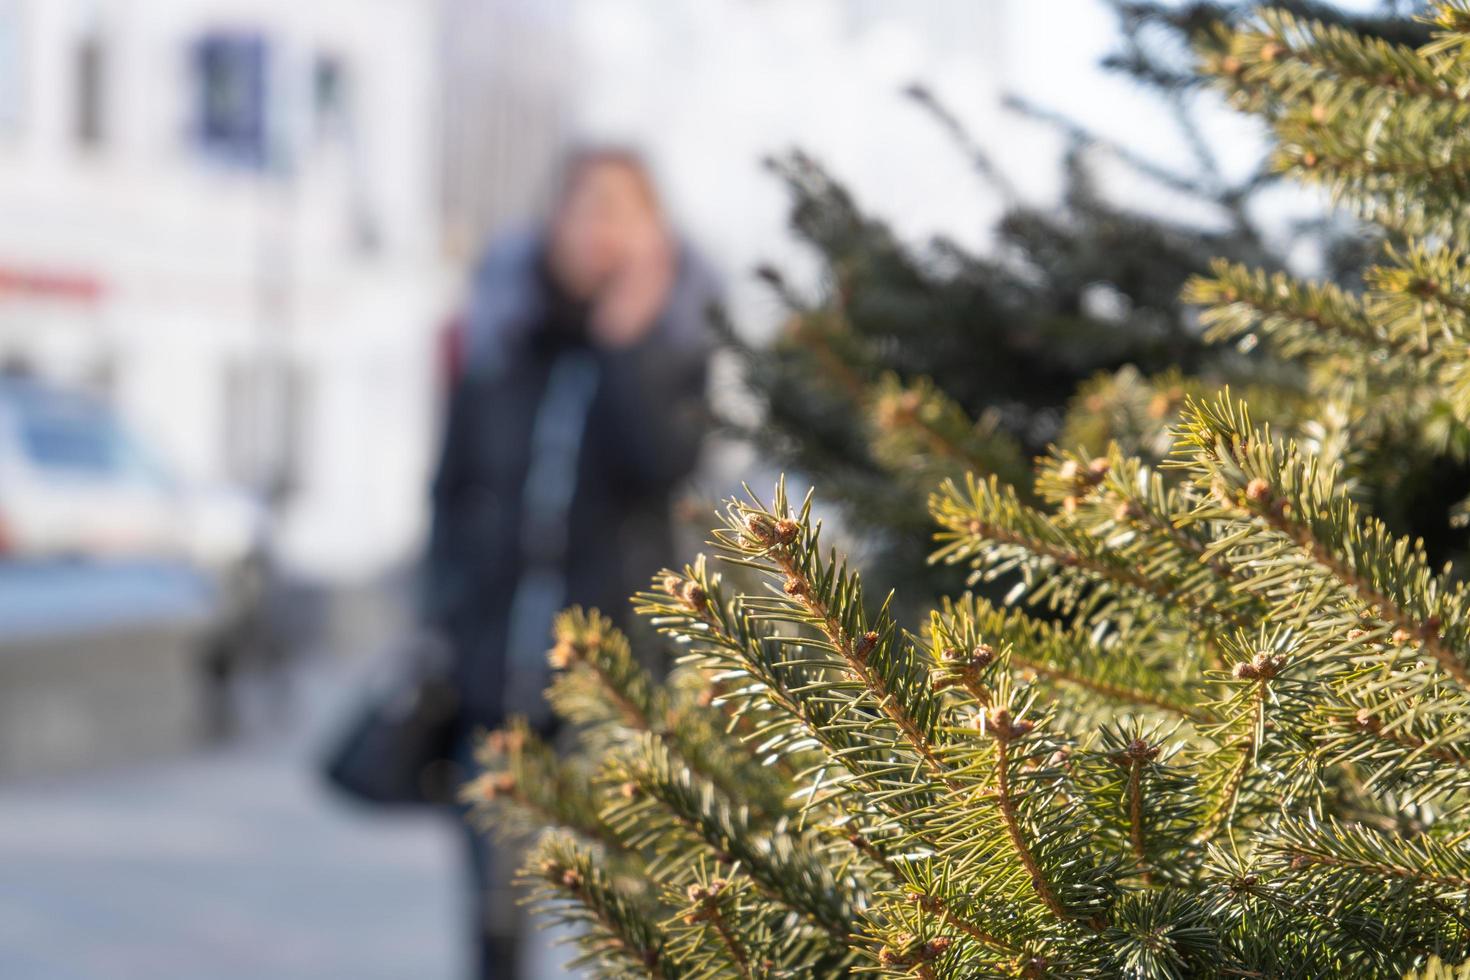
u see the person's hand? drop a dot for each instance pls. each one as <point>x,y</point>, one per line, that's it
<point>627,308</point>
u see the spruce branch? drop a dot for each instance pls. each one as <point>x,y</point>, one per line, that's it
<point>1075,656</point>
<point>1440,869</point>
<point>524,788</point>
<point>710,904</point>
<point>1296,319</point>
<point>1287,55</point>
<point>1256,480</point>
<point>987,526</point>
<point>1000,726</point>
<point>821,593</point>
<point>924,434</point>
<point>659,794</point>
<point>615,931</point>
<point>600,684</point>
<point>622,692</point>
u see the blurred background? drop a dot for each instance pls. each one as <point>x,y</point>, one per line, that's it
<point>235,240</point>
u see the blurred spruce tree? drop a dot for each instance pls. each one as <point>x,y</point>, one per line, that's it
<point>919,363</point>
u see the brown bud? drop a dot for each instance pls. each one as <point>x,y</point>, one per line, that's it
<point>999,724</point>
<point>1137,750</point>
<point>1270,51</point>
<point>694,596</point>
<point>1400,637</point>
<point>670,584</point>
<point>1035,967</point>
<point>937,947</point>
<point>797,587</point>
<point>1258,491</point>
<point>563,655</point>
<point>628,790</point>
<point>864,646</point>
<point>1309,159</point>
<point>1230,65</point>
<point>571,878</point>
<point>1356,634</point>
<point>1127,510</point>
<point>1366,721</point>
<point>950,655</point>
<point>498,785</point>
<point>1300,861</point>
<point>760,529</point>
<point>787,530</point>
<point>982,656</point>
<point>1261,667</point>
<point>1098,469</point>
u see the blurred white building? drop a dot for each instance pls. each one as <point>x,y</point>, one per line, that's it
<point>224,212</point>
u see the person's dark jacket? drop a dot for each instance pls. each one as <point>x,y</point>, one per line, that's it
<point>558,463</point>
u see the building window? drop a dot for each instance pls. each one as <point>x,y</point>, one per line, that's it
<point>231,86</point>
<point>331,94</point>
<point>12,67</point>
<point>91,90</point>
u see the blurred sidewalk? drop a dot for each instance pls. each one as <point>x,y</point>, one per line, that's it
<point>232,863</point>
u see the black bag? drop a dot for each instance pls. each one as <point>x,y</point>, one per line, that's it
<point>399,750</point>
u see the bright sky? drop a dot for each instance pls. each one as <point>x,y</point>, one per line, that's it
<point>709,86</point>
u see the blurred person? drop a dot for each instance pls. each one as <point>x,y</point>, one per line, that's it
<point>576,408</point>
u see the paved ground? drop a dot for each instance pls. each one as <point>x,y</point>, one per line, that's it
<point>228,865</point>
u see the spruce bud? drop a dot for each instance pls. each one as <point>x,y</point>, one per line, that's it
<point>563,655</point>
<point>694,596</point>
<point>787,530</point>
<point>760,529</point>
<point>1003,728</point>
<point>496,786</point>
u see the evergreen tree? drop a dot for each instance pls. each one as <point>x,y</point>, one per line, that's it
<point>1233,746</point>
<point>914,364</point>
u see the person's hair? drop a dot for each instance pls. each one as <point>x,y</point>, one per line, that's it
<point>582,160</point>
